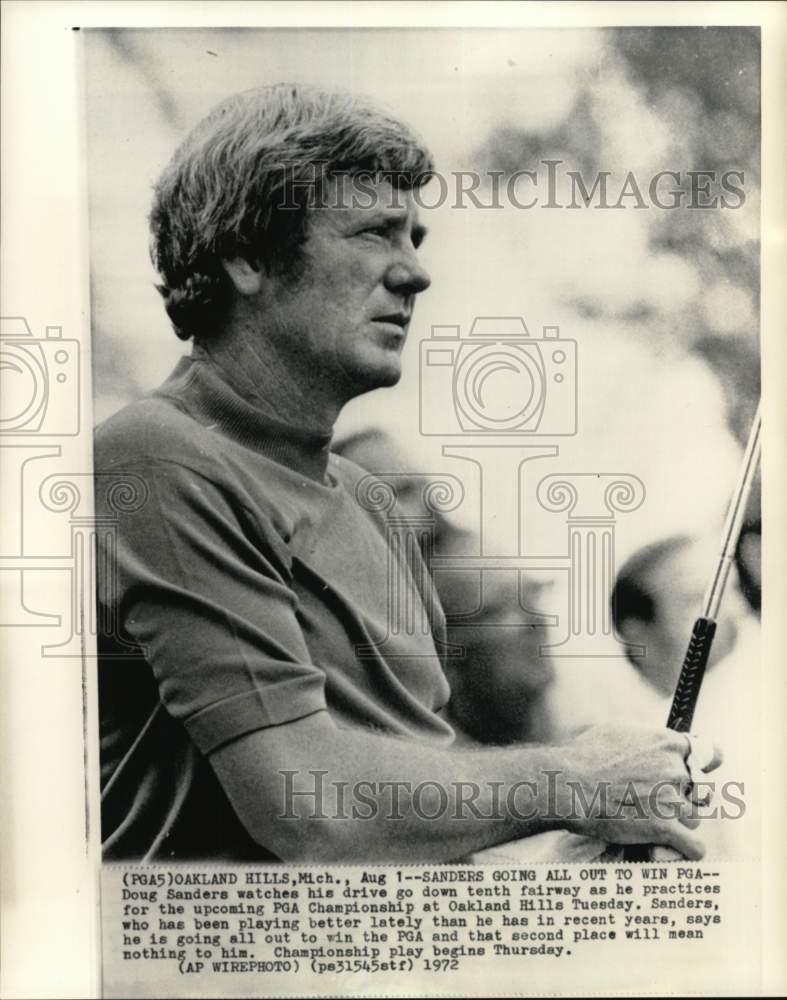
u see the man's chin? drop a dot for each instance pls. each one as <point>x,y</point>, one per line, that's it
<point>380,376</point>
<point>390,377</point>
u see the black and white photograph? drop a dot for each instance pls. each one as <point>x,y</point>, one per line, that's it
<point>554,318</point>
<point>413,560</point>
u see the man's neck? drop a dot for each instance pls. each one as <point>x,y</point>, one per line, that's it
<point>253,369</point>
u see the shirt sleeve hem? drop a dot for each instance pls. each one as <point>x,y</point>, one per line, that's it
<point>227,720</point>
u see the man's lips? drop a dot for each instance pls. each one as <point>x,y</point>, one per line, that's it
<point>395,319</point>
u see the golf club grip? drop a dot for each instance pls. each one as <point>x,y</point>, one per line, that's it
<point>691,674</point>
<point>685,700</point>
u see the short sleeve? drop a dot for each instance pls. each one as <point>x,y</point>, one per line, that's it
<point>202,584</point>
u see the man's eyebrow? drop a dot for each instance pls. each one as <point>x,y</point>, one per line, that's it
<point>390,216</point>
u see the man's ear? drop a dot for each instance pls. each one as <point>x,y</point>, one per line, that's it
<point>246,278</point>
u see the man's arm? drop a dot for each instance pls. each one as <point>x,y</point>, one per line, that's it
<point>211,604</point>
<point>298,814</point>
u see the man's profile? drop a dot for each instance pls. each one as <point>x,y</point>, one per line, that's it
<point>251,577</point>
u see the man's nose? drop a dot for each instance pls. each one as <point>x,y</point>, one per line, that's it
<point>407,275</point>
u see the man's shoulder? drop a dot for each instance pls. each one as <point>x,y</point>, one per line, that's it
<point>371,494</point>
<point>151,429</point>
<point>356,480</point>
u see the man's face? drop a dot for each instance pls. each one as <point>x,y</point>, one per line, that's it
<point>345,317</point>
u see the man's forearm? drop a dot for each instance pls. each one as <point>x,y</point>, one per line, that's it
<point>417,802</point>
<point>311,791</point>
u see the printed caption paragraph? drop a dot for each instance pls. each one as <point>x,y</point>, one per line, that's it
<point>207,924</point>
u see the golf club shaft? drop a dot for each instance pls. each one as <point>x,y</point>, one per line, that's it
<point>692,672</point>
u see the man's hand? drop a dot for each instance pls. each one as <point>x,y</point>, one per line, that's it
<point>631,786</point>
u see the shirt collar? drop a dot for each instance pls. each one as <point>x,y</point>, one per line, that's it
<point>208,397</point>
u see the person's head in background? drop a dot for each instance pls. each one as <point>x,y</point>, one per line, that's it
<point>657,596</point>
